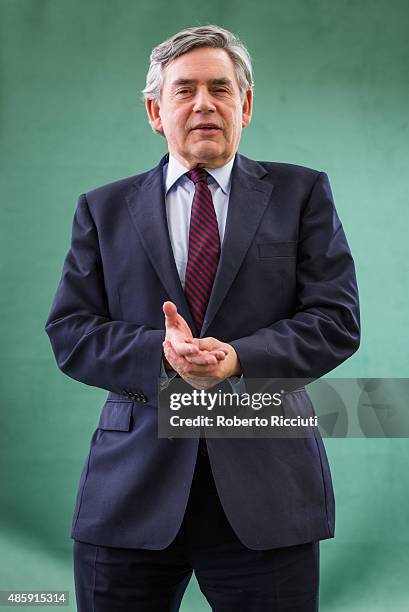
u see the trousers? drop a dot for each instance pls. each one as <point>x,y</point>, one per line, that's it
<point>231,576</point>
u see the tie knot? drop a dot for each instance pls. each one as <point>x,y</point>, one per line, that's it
<point>198,175</point>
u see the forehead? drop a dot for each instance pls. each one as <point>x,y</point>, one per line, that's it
<point>201,65</point>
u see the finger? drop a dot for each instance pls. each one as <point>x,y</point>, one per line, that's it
<point>208,344</point>
<point>180,362</point>
<point>206,357</point>
<point>185,368</point>
<point>212,344</point>
<point>202,358</point>
<point>182,347</point>
<point>177,348</point>
<point>220,354</point>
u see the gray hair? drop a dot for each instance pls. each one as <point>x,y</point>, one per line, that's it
<point>192,38</point>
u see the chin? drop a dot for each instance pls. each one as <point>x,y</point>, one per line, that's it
<point>207,153</point>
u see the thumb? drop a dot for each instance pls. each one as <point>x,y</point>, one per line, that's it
<point>171,313</point>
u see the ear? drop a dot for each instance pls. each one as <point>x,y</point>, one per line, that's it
<point>247,108</point>
<point>153,111</point>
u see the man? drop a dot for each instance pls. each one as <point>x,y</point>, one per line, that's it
<point>219,270</point>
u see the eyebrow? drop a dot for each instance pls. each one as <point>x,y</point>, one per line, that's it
<point>220,81</point>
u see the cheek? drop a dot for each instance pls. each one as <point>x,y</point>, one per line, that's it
<point>238,126</point>
<point>233,118</point>
<point>170,131</point>
<point>176,127</point>
<point>234,126</point>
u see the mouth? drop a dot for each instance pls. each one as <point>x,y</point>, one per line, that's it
<point>206,128</point>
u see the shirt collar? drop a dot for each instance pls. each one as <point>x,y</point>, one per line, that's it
<point>173,170</point>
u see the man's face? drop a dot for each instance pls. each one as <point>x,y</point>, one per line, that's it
<point>200,111</point>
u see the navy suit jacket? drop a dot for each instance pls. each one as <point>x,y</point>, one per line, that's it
<point>284,296</point>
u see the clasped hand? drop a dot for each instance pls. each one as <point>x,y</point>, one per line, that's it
<point>201,362</point>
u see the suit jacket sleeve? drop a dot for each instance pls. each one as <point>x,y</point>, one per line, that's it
<point>88,345</point>
<point>324,329</point>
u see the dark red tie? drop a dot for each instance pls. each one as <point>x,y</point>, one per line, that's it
<point>204,248</point>
<point>203,255</point>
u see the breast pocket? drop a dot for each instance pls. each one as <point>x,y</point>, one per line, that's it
<point>277,266</point>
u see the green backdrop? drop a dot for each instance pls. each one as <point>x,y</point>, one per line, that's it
<point>331,93</point>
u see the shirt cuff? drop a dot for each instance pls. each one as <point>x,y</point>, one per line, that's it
<point>237,384</point>
<point>165,376</point>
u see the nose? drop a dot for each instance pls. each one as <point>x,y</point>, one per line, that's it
<point>203,102</point>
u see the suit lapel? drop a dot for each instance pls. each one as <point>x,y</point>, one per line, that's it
<point>249,197</point>
<point>146,204</point>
